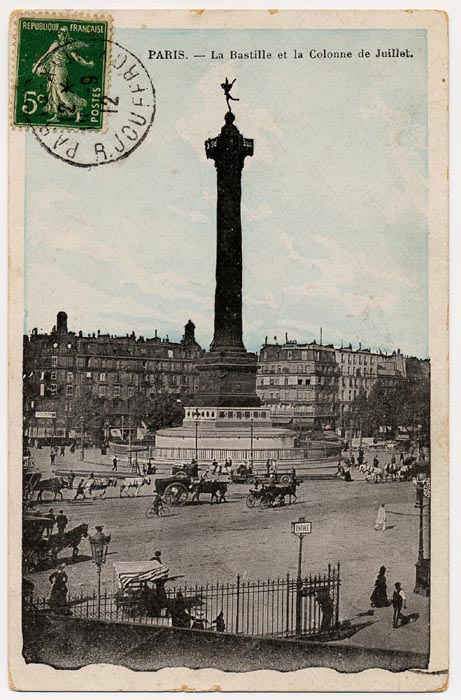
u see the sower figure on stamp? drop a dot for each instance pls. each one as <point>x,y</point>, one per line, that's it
<point>54,65</point>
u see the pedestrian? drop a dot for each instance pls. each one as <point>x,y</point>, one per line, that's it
<point>80,490</point>
<point>199,620</point>
<point>156,556</point>
<point>399,599</point>
<point>347,472</point>
<point>360,456</point>
<point>375,462</point>
<point>50,525</point>
<point>219,622</point>
<point>52,457</point>
<point>352,461</point>
<point>327,607</point>
<point>268,467</point>
<point>215,466</point>
<point>58,596</point>
<point>293,475</point>
<point>63,451</point>
<point>381,517</point>
<point>378,596</point>
<point>61,522</point>
<point>179,615</point>
<point>114,464</point>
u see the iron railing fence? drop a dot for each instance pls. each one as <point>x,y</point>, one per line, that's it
<point>282,607</point>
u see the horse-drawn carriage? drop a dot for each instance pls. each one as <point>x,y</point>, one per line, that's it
<point>271,496</point>
<point>176,489</point>
<point>40,548</point>
<point>244,474</point>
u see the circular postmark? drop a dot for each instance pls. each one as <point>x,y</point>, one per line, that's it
<point>128,106</point>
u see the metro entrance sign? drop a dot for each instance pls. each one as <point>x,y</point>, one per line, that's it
<point>301,527</point>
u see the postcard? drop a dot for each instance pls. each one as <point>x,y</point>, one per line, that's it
<point>228,350</point>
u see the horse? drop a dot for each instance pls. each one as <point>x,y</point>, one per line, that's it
<point>54,484</point>
<point>101,484</point>
<point>133,482</point>
<point>212,487</point>
<point>288,490</point>
<point>63,540</point>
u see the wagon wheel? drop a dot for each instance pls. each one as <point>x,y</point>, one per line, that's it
<point>150,512</point>
<point>285,479</point>
<point>175,494</point>
<point>250,500</point>
<point>250,479</point>
<point>265,501</point>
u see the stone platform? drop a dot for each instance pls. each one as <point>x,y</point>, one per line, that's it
<point>241,433</point>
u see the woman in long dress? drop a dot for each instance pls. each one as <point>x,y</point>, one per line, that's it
<point>58,597</point>
<point>54,64</point>
<point>378,596</point>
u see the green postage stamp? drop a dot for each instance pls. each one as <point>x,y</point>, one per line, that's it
<point>60,72</point>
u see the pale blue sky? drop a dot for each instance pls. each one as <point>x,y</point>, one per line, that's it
<point>333,209</point>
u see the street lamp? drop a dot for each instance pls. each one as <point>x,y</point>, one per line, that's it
<point>99,544</point>
<point>422,583</point>
<point>82,447</point>
<point>300,528</point>
<point>196,417</point>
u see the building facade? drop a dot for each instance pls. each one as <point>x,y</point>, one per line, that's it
<point>314,386</point>
<point>62,367</point>
<point>299,383</point>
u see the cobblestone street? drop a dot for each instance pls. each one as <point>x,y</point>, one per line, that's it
<point>203,543</point>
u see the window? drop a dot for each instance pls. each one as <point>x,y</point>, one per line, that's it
<point>70,376</point>
<point>54,361</point>
<point>130,391</point>
<point>54,389</point>
<point>69,390</point>
<point>300,381</point>
<point>116,391</point>
<point>102,376</point>
<point>101,391</point>
<point>54,375</point>
<point>42,390</point>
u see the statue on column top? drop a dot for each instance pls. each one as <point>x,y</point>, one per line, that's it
<point>227,87</point>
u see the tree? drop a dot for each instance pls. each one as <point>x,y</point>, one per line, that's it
<point>406,404</point>
<point>91,408</point>
<point>161,411</point>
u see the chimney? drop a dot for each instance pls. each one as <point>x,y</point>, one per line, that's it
<point>189,332</point>
<point>61,322</point>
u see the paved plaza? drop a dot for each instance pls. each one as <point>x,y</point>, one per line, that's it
<point>212,543</point>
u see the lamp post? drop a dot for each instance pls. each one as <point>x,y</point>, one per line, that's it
<point>422,579</point>
<point>300,528</point>
<point>196,416</point>
<point>251,443</point>
<point>82,447</point>
<point>99,544</point>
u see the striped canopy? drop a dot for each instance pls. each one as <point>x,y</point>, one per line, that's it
<point>129,572</point>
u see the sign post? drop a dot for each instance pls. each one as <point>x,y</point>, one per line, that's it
<point>300,528</point>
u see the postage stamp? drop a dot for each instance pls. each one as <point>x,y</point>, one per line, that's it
<point>129,104</point>
<point>60,72</point>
